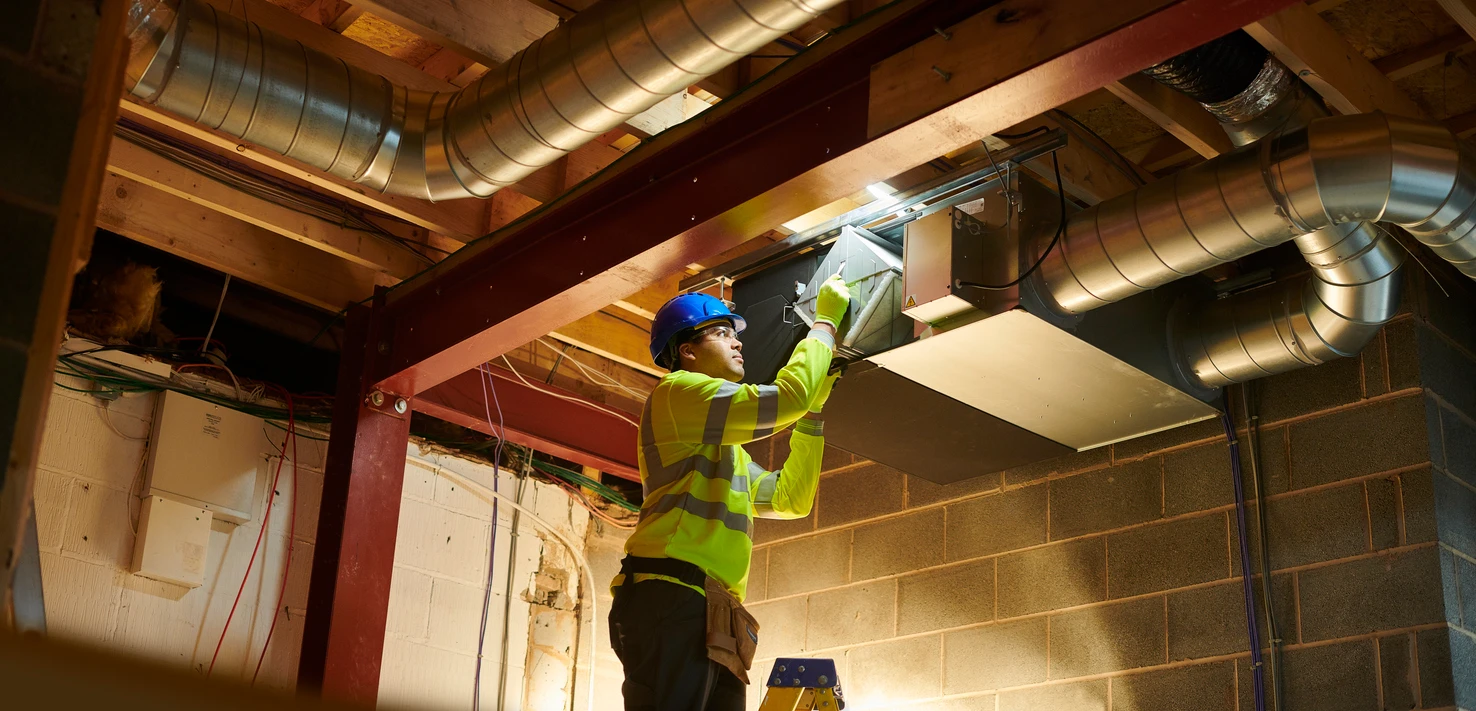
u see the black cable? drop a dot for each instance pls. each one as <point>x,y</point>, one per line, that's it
<point>1020,136</point>
<point>1060,228</point>
<point>1117,159</point>
<point>1253,438</point>
<point>265,187</point>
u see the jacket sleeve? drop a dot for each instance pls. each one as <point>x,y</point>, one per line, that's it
<point>790,492</point>
<point>708,410</point>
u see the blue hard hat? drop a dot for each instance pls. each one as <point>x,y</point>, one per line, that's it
<point>684,312</point>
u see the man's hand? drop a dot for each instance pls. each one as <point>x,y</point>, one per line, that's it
<point>823,393</point>
<point>832,301</point>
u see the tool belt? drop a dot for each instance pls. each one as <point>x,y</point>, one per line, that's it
<point>732,633</point>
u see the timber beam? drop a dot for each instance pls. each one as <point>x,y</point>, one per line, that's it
<point>820,127</point>
<point>1311,48</point>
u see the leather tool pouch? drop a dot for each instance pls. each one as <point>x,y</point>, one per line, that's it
<point>732,633</point>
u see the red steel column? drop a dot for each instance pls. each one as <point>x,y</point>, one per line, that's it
<point>348,602</point>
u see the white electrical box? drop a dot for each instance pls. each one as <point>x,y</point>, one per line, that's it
<point>205,454</point>
<point>173,542</point>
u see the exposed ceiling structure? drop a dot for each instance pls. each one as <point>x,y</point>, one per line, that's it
<point>328,242</point>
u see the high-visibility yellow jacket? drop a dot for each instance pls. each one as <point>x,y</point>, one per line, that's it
<point>702,490</point>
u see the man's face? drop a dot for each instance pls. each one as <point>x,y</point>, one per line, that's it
<point>716,351</point>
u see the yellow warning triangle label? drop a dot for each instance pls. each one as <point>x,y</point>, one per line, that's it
<point>911,302</point>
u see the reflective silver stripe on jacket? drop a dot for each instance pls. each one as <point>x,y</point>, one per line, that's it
<point>768,411</point>
<point>659,475</point>
<point>717,413</point>
<point>763,498</point>
<point>710,510</point>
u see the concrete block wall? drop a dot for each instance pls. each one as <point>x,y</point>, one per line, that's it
<point>91,471</point>
<point>1110,579</point>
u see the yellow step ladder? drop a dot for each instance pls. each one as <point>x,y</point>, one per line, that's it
<point>803,685</point>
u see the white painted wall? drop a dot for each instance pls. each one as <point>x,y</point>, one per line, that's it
<point>85,515</point>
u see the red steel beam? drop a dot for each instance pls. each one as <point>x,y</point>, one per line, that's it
<point>354,557</point>
<point>796,141</point>
<point>543,417</point>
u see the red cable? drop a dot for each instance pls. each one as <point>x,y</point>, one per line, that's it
<point>265,519</point>
<point>291,535</point>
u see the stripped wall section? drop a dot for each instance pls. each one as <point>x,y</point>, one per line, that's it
<point>92,460</point>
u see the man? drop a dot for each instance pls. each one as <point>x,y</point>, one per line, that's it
<point>677,623</point>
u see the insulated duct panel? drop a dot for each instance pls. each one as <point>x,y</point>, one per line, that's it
<point>1040,378</point>
<point>890,419</point>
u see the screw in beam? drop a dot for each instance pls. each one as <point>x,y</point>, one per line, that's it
<point>946,75</point>
<point>401,406</point>
<point>376,399</point>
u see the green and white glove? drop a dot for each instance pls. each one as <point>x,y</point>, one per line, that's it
<point>832,301</point>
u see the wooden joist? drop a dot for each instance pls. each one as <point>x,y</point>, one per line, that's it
<point>361,248</point>
<point>228,245</point>
<point>458,219</point>
<point>1417,59</point>
<point>489,31</point>
<point>1320,56</point>
<point>1463,12</point>
<point>1178,114</point>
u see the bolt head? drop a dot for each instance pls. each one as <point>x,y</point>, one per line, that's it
<point>376,399</point>
<point>401,405</point>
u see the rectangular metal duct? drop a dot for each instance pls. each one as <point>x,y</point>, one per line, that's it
<point>995,378</point>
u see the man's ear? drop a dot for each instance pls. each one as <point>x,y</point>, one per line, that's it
<point>686,351</point>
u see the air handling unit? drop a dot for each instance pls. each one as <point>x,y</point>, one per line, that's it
<point>945,380</point>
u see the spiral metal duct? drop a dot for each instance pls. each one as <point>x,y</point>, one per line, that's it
<point>1354,286</point>
<point>1337,171</point>
<point>1333,313</point>
<point>586,77</point>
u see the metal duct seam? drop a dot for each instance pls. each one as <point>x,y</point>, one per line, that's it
<point>584,78</point>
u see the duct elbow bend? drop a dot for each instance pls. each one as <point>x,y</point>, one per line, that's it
<point>1354,288</point>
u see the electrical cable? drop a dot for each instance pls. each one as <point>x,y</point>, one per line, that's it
<point>1022,136</point>
<point>205,343</point>
<point>507,595</point>
<point>579,480</point>
<point>1117,159</point>
<point>291,537</point>
<point>1253,436</point>
<point>500,432</point>
<point>575,400</point>
<point>1060,229</point>
<point>609,382</point>
<point>264,186</point>
<point>265,521</point>
<point>1252,626</point>
<point>578,555</point>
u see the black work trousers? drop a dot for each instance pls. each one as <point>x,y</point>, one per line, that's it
<point>659,631</point>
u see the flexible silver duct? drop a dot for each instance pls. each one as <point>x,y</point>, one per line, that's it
<point>584,78</point>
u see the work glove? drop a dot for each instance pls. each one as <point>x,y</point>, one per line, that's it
<point>832,302</point>
<point>823,393</point>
